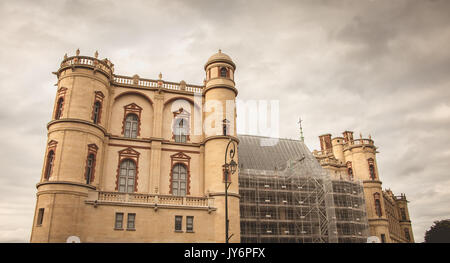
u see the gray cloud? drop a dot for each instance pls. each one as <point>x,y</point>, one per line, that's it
<point>378,67</point>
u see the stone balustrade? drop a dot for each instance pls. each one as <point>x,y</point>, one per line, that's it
<point>95,63</point>
<point>106,66</point>
<point>100,197</point>
<point>150,83</point>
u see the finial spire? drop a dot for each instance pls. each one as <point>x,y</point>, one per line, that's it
<point>160,76</point>
<point>78,52</point>
<point>220,50</point>
<point>301,130</point>
<point>96,54</point>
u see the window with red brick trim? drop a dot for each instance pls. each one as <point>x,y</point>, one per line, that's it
<point>59,108</point>
<point>180,177</point>
<point>371,169</point>
<point>378,210</point>
<point>96,112</point>
<point>127,171</point>
<point>90,163</point>
<point>131,125</point>
<point>97,107</point>
<point>49,164</point>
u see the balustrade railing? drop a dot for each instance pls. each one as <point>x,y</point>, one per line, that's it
<point>108,67</point>
<point>155,199</point>
<point>104,65</point>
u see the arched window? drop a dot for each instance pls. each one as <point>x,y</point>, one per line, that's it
<point>96,112</point>
<point>179,178</point>
<point>131,126</point>
<point>59,108</point>
<point>224,72</point>
<point>90,168</point>
<point>181,129</point>
<point>127,176</point>
<point>49,166</point>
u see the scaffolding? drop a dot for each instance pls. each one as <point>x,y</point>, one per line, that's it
<point>286,196</point>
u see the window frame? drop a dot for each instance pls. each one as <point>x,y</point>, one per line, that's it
<point>130,129</point>
<point>176,179</point>
<point>133,222</point>
<point>126,177</point>
<point>116,221</point>
<point>59,108</point>
<point>50,160</point>
<point>40,217</point>
<point>96,112</point>
<point>224,70</point>
<point>178,223</point>
<point>189,225</point>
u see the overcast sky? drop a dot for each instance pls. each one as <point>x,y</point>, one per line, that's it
<point>376,67</point>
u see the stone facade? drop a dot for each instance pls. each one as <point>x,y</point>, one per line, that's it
<point>125,156</point>
<point>352,159</point>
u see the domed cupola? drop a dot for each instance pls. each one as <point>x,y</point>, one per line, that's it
<point>220,66</point>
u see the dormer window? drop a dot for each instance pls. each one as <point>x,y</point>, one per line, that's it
<point>181,126</point>
<point>224,72</point>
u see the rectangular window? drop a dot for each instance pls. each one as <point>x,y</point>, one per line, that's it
<point>403,213</point>
<point>119,221</point>
<point>131,220</point>
<point>190,224</point>
<point>178,223</point>
<point>383,238</point>
<point>40,218</point>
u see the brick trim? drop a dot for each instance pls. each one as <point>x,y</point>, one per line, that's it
<point>92,149</point>
<point>132,108</point>
<point>185,115</point>
<point>51,148</point>
<point>98,98</point>
<point>60,96</point>
<point>128,154</point>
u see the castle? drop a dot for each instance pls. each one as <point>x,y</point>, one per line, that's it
<point>352,159</point>
<point>130,159</point>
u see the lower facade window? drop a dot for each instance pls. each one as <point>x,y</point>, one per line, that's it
<point>131,221</point>
<point>190,224</point>
<point>178,223</point>
<point>119,221</point>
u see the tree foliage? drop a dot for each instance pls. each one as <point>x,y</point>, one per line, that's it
<point>439,232</point>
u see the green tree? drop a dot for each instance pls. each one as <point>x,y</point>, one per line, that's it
<point>439,232</point>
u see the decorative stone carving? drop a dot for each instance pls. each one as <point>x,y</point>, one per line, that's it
<point>136,79</point>
<point>182,85</point>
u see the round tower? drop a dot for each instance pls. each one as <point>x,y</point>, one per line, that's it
<point>361,160</point>
<point>220,127</point>
<point>76,137</point>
